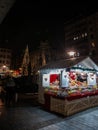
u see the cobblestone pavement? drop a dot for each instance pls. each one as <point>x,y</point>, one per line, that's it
<point>28,115</point>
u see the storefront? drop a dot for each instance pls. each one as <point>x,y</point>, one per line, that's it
<point>69,86</point>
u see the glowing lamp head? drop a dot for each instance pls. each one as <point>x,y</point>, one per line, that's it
<point>71,53</point>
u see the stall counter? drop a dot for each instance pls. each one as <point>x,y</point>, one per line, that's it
<point>70,104</point>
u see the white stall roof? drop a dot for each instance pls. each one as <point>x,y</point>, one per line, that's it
<point>86,62</point>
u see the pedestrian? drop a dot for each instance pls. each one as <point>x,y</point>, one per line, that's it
<point>2,94</point>
<point>2,91</point>
<point>10,90</point>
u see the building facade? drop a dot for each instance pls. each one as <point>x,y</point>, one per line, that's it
<point>81,35</point>
<point>43,55</point>
<point>5,59</point>
<point>40,56</point>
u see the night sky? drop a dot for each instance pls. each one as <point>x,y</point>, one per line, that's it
<point>32,21</point>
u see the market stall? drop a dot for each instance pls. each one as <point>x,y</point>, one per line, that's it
<point>69,86</point>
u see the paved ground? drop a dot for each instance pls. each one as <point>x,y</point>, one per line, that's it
<point>26,114</point>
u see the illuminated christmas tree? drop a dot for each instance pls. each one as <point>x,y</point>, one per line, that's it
<point>25,62</point>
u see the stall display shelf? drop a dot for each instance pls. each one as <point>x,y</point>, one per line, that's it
<point>71,103</point>
<point>66,108</point>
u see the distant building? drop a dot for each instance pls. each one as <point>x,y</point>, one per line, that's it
<point>81,35</point>
<point>5,59</point>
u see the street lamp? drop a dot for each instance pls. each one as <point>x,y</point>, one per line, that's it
<point>4,68</point>
<point>71,53</point>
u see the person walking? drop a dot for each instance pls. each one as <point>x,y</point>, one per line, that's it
<point>10,90</point>
<point>2,91</point>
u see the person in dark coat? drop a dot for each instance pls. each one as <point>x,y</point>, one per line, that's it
<point>2,91</point>
<point>10,90</point>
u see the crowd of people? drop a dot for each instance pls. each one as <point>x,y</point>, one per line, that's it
<point>10,87</point>
<point>7,90</point>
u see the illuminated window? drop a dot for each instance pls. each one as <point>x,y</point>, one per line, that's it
<point>93,44</point>
<point>85,34</point>
<point>74,38</point>
<point>82,35</point>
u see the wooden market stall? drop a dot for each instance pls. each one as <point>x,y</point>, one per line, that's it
<point>69,86</point>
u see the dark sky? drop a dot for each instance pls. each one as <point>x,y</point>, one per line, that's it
<point>32,21</point>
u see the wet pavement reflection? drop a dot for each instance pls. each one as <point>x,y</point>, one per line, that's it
<point>27,114</point>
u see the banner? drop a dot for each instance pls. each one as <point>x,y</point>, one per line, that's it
<point>45,80</point>
<point>64,79</point>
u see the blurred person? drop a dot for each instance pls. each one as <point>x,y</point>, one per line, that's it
<point>2,91</point>
<point>10,90</point>
<point>2,94</point>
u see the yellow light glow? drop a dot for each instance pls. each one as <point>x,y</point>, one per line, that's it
<point>4,66</point>
<point>71,53</point>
